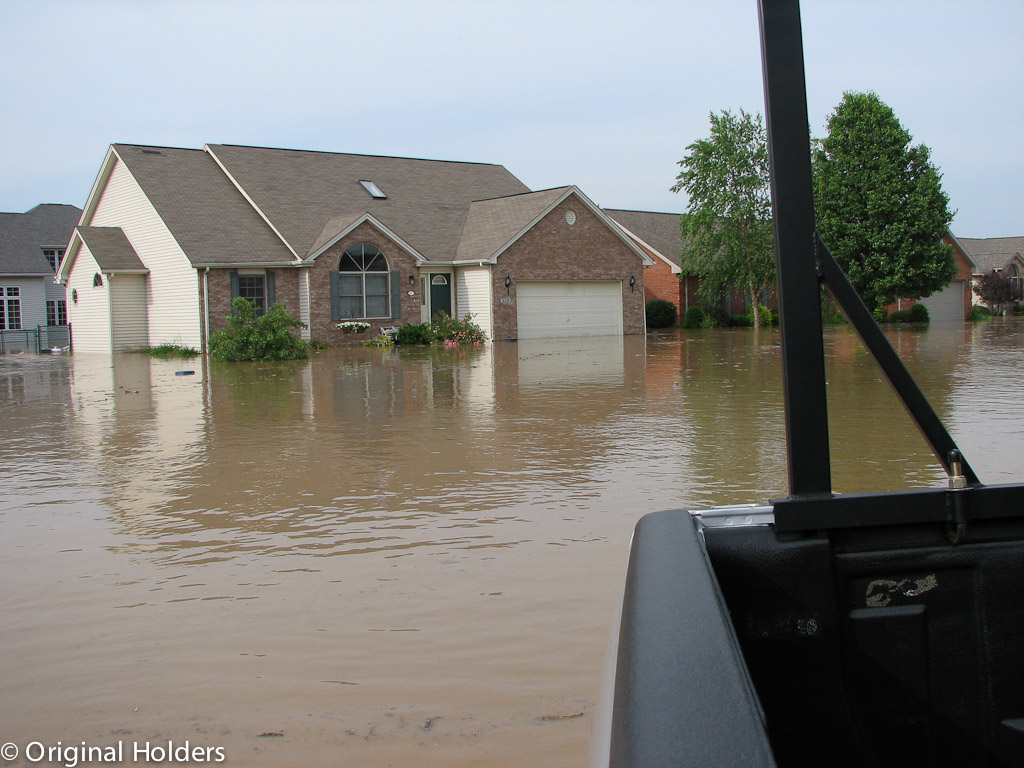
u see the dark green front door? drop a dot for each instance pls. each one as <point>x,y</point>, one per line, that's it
<point>440,295</point>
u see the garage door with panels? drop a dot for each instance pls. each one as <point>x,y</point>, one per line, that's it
<point>551,308</point>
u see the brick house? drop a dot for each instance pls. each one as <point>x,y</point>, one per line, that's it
<point>169,237</point>
<point>1003,255</point>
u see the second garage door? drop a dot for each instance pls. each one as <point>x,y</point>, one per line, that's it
<point>947,305</point>
<point>548,309</point>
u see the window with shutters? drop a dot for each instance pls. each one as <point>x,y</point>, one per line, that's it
<point>363,283</point>
<point>256,287</point>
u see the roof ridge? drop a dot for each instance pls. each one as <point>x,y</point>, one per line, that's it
<point>358,154</point>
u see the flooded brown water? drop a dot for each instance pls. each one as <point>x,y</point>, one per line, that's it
<point>400,557</point>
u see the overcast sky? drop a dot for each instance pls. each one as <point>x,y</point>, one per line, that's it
<point>603,95</point>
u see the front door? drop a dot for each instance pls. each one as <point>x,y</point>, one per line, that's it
<point>440,295</point>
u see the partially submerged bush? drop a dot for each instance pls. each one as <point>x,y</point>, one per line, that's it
<point>661,313</point>
<point>381,341</point>
<point>171,350</point>
<point>441,330</point>
<point>415,334</point>
<point>919,314</point>
<point>694,318</point>
<point>266,337</point>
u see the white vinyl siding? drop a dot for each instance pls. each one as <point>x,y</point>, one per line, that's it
<point>90,315</point>
<point>128,312</point>
<point>173,301</point>
<point>550,309</point>
<point>304,310</point>
<point>473,296</point>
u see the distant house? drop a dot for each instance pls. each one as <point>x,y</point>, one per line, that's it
<point>658,234</point>
<point>32,246</point>
<point>169,237</point>
<point>1003,255</point>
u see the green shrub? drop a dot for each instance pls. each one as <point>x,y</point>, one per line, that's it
<point>694,318</point>
<point>716,317</point>
<point>171,350</point>
<point>977,313</point>
<point>660,313</point>
<point>900,316</point>
<point>766,316</point>
<point>880,315</point>
<point>919,314</point>
<point>418,334</point>
<point>742,321</point>
<point>266,337</point>
<point>382,341</point>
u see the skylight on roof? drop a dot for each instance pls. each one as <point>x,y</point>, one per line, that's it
<point>374,190</point>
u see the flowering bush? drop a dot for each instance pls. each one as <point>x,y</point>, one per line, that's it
<point>456,333</point>
<point>442,330</point>
<point>353,326</point>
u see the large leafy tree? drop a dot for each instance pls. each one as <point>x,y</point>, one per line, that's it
<point>879,204</point>
<point>727,234</point>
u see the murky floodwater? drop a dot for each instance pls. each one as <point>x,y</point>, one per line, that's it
<point>400,557</point>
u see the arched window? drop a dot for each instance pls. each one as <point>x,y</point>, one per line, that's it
<point>364,288</point>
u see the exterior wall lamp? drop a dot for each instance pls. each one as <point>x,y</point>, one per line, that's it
<point>508,283</point>
<point>632,282</point>
<point>412,279</point>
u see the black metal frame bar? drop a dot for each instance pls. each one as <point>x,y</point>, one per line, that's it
<point>803,265</point>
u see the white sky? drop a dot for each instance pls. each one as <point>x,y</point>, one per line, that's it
<point>604,95</point>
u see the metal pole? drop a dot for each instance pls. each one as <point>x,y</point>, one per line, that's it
<point>793,214</point>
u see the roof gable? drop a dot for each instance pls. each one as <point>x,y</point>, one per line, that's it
<point>993,253</point>
<point>426,201</point>
<point>110,248</point>
<point>658,231</point>
<point>204,212</point>
<point>493,224</point>
<point>24,235</point>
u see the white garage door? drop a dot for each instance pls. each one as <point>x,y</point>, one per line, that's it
<point>946,305</point>
<point>570,308</point>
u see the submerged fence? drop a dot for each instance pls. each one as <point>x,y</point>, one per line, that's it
<point>43,338</point>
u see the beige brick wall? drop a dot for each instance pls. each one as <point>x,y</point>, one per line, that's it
<point>554,250</point>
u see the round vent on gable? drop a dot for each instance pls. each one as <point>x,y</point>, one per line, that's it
<point>570,217</point>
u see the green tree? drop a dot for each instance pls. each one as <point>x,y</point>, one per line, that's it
<point>727,233</point>
<point>879,204</point>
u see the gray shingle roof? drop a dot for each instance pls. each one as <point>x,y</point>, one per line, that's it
<point>659,230</point>
<point>206,214</point>
<point>24,235</point>
<point>992,252</point>
<point>111,249</point>
<point>491,224</point>
<point>427,200</point>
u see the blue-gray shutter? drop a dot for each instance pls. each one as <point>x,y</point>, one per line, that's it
<point>271,293</point>
<point>335,295</point>
<point>234,290</point>
<point>396,296</point>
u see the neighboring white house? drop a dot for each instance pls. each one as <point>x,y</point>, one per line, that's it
<point>32,306</point>
<point>169,237</point>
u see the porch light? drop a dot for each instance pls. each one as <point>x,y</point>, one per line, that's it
<point>412,279</point>
<point>632,282</point>
<point>508,283</point>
